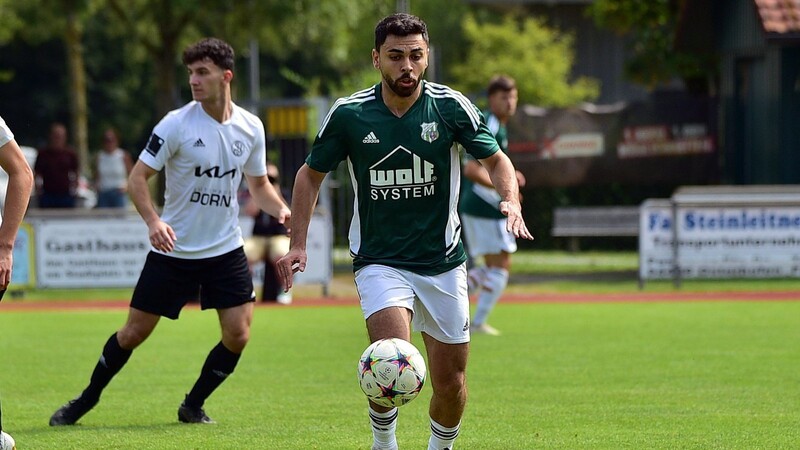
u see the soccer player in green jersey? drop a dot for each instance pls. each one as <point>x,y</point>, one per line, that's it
<point>484,224</point>
<point>405,237</point>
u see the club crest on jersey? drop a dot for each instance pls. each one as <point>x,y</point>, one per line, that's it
<point>429,131</point>
<point>238,148</point>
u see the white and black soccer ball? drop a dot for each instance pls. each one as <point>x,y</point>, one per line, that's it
<point>391,372</point>
<point>7,442</point>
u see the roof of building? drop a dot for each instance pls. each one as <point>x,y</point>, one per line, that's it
<point>779,16</point>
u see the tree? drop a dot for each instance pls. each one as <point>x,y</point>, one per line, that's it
<point>652,26</point>
<point>65,20</point>
<point>537,57</point>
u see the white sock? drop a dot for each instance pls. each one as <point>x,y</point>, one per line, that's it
<point>475,278</point>
<point>494,283</point>
<point>442,438</point>
<point>383,429</point>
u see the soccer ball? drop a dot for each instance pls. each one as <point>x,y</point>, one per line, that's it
<point>7,442</point>
<point>391,372</point>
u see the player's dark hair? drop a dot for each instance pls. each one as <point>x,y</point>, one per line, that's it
<point>217,50</point>
<point>399,24</point>
<point>501,83</point>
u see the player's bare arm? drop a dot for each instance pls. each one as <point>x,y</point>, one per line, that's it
<point>162,237</point>
<point>504,179</point>
<point>268,198</point>
<point>304,198</point>
<point>478,174</point>
<point>20,183</point>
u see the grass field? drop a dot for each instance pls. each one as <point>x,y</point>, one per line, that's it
<point>691,375</point>
<point>613,375</point>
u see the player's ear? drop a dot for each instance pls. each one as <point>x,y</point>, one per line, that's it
<point>227,75</point>
<point>376,59</point>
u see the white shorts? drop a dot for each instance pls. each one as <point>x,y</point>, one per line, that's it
<point>439,303</point>
<point>486,236</point>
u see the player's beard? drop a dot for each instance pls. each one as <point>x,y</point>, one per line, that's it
<point>401,91</point>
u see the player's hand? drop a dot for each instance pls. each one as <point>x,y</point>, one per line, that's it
<point>6,263</point>
<point>514,222</point>
<point>289,264</point>
<point>162,237</point>
<point>284,216</point>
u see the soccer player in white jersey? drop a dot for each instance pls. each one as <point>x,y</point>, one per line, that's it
<point>397,139</point>
<point>18,193</point>
<point>205,147</point>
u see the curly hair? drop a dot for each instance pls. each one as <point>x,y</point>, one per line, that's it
<point>217,50</point>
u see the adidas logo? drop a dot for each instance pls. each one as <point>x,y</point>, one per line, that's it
<point>371,139</point>
<point>198,143</point>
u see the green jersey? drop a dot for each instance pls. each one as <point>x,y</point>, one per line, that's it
<point>478,200</point>
<point>405,173</point>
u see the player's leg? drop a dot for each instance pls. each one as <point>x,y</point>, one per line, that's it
<point>220,362</point>
<point>279,246</point>
<point>386,301</point>
<point>162,290</point>
<point>495,280</point>
<point>386,323</point>
<point>116,352</point>
<point>229,290</point>
<point>447,365</point>
<point>442,315</point>
<point>497,246</point>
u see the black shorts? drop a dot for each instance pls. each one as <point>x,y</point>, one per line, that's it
<point>167,283</point>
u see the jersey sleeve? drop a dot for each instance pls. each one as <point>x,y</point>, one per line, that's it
<point>472,132</point>
<point>256,164</point>
<point>5,133</point>
<point>163,142</point>
<point>329,147</point>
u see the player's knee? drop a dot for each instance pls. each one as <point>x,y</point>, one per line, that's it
<point>130,337</point>
<point>236,341</point>
<point>451,388</point>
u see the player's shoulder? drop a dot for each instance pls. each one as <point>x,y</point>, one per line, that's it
<point>180,116</point>
<point>451,102</point>
<point>441,93</point>
<point>247,118</point>
<point>356,100</point>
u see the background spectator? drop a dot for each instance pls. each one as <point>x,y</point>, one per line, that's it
<point>269,241</point>
<point>56,170</point>
<point>112,165</point>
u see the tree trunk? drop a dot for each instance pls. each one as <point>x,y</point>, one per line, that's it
<point>73,36</point>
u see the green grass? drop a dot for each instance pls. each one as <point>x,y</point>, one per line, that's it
<point>705,375</point>
<point>532,272</point>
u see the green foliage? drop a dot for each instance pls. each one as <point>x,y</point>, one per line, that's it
<point>562,376</point>
<point>651,26</point>
<point>538,57</point>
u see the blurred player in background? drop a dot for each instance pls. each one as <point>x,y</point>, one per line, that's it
<point>205,148</point>
<point>484,223</point>
<point>18,194</point>
<point>397,139</point>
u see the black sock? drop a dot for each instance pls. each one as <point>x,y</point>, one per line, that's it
<point>111,361</point>
<point>219,364</point>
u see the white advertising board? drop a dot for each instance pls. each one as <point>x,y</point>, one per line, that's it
<point>92,252</point>
<point>110,252</point>
<point>720,242</point>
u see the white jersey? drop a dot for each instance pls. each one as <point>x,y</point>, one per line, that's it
<point>204,161</point>
<point>5,133</point>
